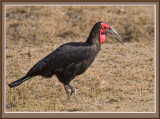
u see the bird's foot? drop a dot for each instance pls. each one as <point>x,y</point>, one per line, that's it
<point>77,99</point>
<point>67,100</point>
<point>64,102</point>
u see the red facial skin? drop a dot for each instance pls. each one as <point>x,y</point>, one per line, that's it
<point>102,35</point>
<point>104,26</point>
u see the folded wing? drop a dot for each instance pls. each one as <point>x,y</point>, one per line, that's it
<point>62,56</point>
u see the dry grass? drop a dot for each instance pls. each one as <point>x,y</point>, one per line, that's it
<point>121,77</point>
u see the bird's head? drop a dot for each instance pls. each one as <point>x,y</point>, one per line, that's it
<point>108,30</point>
<point>101,29</point>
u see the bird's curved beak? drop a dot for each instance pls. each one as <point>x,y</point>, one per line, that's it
<point>112,32</point>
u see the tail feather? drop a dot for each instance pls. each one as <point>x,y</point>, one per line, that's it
<point>19,81</point>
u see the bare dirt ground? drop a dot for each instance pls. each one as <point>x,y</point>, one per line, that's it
<point>121,79</point>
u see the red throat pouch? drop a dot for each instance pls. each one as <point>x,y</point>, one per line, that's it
<point>102,36</point>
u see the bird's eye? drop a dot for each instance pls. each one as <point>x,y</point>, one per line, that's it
<point>107,27</point>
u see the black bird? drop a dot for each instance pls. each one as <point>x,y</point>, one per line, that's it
<point>71,59</point>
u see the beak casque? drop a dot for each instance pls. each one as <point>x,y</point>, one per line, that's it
<point>112,32</point>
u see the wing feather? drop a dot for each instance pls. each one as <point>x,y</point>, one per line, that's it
<point>62,56</point>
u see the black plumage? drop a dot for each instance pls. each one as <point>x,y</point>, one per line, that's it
<point>67,61</point>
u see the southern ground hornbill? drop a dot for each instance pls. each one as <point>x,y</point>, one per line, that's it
<point>71,59</point>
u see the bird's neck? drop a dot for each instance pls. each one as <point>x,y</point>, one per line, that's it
<point>93,37</point>
<point>94,40</point>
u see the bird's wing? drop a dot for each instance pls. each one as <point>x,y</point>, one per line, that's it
<point>62,56</point>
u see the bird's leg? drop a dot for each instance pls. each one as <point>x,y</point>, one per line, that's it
<point>73,90</point>
<point>67,92</point>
